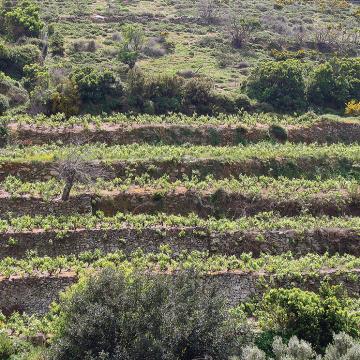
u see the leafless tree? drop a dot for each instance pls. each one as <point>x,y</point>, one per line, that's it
<point>337,38</point>
<point>208,10</point>
<point>241,29</point>
<point>75,168</point>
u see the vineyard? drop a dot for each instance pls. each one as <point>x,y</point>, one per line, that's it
<point>264,212</point>
<point>179,180</point>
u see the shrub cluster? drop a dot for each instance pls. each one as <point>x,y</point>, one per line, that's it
<point>313,317</point>
<point>23,19</point>
<point>142,317</point>
<point>162,94</point>
<point>11,92</point>
<point>287,87</point>
<point>112,316</point>
<point>127,314</point>
<point>14,58</point>
<point>343,347</point>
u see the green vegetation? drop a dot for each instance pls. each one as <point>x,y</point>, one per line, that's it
<point>242,119</point>
<point>22,19</point>
<point>144,317</point>
<point>315,317</point>
<point>342,347</point>
<point>260,222</point>
<point>285,266</point>
<point>80,78</point>
<point>280,84</point>
<point>135,152</point>
<point>238,43</point>
<point>335,83</point>
<point>282,188</point>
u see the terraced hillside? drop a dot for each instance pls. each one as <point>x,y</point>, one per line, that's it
<point>254,202</point>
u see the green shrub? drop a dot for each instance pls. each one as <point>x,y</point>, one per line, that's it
<point>335,83</point>
<point>135,90</point>
<point>343,347</point>
<point>132,42</point>
<point>310,316</point>
<point>98,87</point>
<point>14,58</point>
<point>6,346</point>
<point>277,132</point>
<point>35,75</point>
<point>65,99</point>
<point>230,104</point>
<point>4,104</point>
<point>197,94</point>
<point>164,92</point>
<point>280,84</point>
<point>12,90</point>
<point>24,19</point>
<point>145,317</point>
<point>57,46</point>
<point>128,57</point>
<point>13,348</point>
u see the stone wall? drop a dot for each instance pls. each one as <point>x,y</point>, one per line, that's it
<point>33,295</point>
<point>222,204</point>
<point>176,169</point>
<point>217,204</point>
<point>19,206</point>
<point>51,243</point>
<point>325,131</point>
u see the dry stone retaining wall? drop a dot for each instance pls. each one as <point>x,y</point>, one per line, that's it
<point>33,295</point>
<point>324,131</point>
<point>51,243</point>
<point>176,169</point>
<point>19,206</point>
<point>218,204</point>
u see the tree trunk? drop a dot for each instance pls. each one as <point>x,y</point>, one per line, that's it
<point>66,192</point>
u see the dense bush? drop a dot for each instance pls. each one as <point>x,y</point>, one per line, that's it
<point>145,317</point>
<point>135,90</point>
<point>14,58</point>
<point>197,95</point>
<point>35,75</point>
<point>4,104</point>
<point>57,46</point>
<point>163,93</point>
<point>65,99</point>
<point>343,347</point>
<point>334,83</point>
<point>310,316</point>
<point>23,19</point>
<point>280,84</point>
<point>13,91</point>
<point>229,103</point>
<point>98,87</point>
